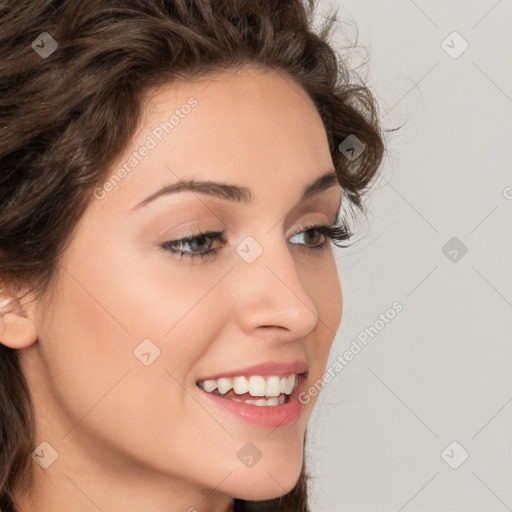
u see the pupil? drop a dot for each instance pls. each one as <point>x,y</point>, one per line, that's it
<point>201,239</point>
<point>309,234</point>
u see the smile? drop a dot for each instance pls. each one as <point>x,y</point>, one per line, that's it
<point>270,390</point>
<point>267,401</point>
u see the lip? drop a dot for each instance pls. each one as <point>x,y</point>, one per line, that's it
<point>264,369</point>
<point>266,416</point>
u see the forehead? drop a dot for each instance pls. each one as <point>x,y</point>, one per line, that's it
<point>253,127</point>
<point>261,103</point>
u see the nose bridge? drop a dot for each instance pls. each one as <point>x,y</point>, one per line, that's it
<point>271,292</point>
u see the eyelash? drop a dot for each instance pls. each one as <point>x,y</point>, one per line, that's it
<point>335,233</point>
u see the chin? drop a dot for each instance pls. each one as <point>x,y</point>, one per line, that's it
<point>267,482</point>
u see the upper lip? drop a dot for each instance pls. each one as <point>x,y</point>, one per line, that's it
<point>264,369</point>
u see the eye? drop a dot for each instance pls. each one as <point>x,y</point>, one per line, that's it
<point>334,232</point>
<point>199,244</point>
<point>317,233</point>
<point>196,245</point>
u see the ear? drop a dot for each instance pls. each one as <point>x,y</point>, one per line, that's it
<point>16,329</point>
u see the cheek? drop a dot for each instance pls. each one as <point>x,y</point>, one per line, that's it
<point>332,301</point>
<point>329,300</point>
<point>85,348</point>
<point>325,288</point>
<point>100,390</point>
<point>104,312</point>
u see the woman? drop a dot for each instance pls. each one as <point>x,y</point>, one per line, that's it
<point>171,177</point>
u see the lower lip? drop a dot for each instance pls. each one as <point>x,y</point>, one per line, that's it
<point>266,415</point>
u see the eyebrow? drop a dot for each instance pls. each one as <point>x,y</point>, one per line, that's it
<point>237,193</point>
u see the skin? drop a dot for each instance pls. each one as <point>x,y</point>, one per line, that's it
<point>132,437</point>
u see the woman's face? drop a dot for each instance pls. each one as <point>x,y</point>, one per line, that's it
<point>133,326</point>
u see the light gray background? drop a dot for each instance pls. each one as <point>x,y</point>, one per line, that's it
<point>440,371</point>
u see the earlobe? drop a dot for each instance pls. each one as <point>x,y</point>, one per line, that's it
<point>16,330</point>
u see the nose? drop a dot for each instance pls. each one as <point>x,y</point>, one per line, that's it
<point>271,295</point>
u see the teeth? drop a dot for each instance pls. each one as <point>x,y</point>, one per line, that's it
<point>256,385</point>
<point>261,401</point>
<point>272,388</point>
<point>210,385</point>
<point>224,385</point>
<point>240,385</point>
<point>290,382</point>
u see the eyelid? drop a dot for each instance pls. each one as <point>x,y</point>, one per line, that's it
<point>194,227</point>
<point>308,224</point>
<point>192,233</point>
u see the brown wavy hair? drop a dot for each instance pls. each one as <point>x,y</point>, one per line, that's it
<point>65,118</point>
